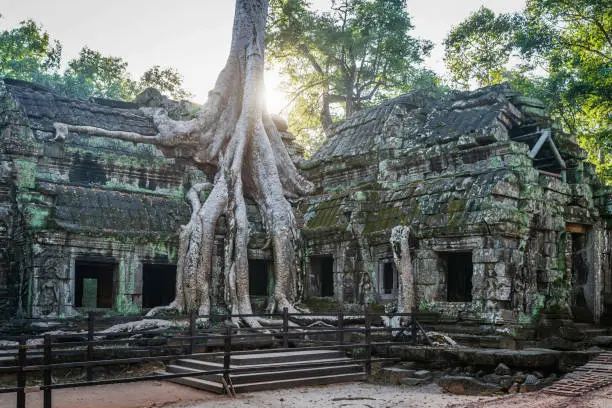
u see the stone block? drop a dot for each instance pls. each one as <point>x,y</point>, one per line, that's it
<point>531,383</point>
<point>485,255</point>
<point>422,374</point>
<point>427,272</point>
<point>393,375</point>
<point>468,386</point>
<point>502,369</point>
<point>414,381</point>
<point>500,270</point>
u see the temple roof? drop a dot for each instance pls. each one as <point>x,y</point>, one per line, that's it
<point>43,107</point>
<point>433,119</point>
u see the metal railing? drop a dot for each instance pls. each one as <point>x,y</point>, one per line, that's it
<point>79,350</point>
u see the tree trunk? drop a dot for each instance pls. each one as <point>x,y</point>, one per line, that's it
<point>234,134</point>
<point>403,263</point>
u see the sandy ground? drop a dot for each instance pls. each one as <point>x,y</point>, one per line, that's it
<point>352,395</point>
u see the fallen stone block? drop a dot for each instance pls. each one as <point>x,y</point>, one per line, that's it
<point>393,375</point>
<point>414,381</point>
<point>502,369</point>
<point>531,383</point>
<point>468,386</point>
<point>422,374</point>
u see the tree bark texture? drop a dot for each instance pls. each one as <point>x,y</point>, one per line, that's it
<point>235,136</point>
<point>403,264</point>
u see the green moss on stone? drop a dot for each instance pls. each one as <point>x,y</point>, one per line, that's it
<point>26,173</point>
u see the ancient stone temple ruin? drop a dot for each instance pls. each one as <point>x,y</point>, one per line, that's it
<point>506,217</point>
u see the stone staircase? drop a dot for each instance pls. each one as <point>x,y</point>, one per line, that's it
<point>269,370</point>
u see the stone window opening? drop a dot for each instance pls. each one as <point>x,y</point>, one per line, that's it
<point>544,153</point>
<point>459,271</point>
<point>94,287</point>
<point>258,277</point>
<point>387,279</point>
<point>158,284</point>
<point>322,268</point>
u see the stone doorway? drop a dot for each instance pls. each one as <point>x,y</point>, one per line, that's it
<point>258,277</point>
<point>459,270</point>
<point>94,284</point>
<point>580,270</point>
<point>158,285</point>
<point>387,279</point>
<point>322,269</point>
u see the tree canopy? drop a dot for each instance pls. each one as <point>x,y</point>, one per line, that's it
<point>27,52</point>
<point>344,59</point>
<point>563,55</point>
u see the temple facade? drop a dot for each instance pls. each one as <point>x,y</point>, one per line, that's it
<point>506,216</point>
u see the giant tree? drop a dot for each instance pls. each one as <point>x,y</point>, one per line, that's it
<point>235,138</point>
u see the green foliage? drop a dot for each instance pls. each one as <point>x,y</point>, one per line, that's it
<point>28,53</point>
<point>564,53</point>
<point>166,80</point>
<point>92,74</point>
<point>342,60</point>
<point>479,48</point>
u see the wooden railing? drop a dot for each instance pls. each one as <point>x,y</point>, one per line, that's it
<point>78,350</point>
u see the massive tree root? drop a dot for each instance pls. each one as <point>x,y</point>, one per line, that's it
<point>233,135</point>
<point>399,241</point>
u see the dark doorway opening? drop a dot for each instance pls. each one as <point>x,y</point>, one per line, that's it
<point>258,277</point>
<point>459,270</point>
<point>580,277</point>
<point>158,285</point>
<point>94,284</point>
<point>323,272</point>
<point>388,278</point>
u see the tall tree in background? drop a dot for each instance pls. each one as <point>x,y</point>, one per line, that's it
<point>92,74</point>
<point>347,58</point>
<point>234,137</point>
<point>28,53</point>
<point>478,49</point>
<point>564,57</point>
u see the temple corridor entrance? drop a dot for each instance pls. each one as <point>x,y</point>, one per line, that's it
<point>94,284</point>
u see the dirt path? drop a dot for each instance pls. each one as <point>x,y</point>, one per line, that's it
<point>134,395</point>
<point>352,395</point>
<point>349,395</point>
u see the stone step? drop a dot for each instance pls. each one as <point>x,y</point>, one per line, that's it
<point>299,382</point>
<point>212,365</point>
<point>268,385</point>
<point>199,383</point>
<point>281,357</point>
<point>275,375</point>
<point>473,340</point>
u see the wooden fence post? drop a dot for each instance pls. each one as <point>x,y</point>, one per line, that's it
<point>368,341</point>
<point>21,375</point>
<point>413,327</point>
<point>90,338</point>
<point>285,327</point>
<point>340,327</point>
<point>192,331</point>
<point>227,353</point>
<point>47,361</point>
